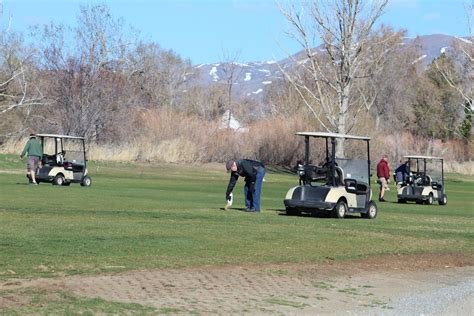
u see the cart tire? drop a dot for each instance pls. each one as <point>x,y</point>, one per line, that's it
<point>58,180</point>
<point>403,201</point>
<point>86,181</point>
<point>444,200</point>
<point>372,211</point>
<point>340,209</point>
<point>430,199</point>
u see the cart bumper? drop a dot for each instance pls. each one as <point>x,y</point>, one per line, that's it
<point>411,197</point>
<point>309,205</point>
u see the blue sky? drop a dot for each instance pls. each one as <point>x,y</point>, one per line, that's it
<point>205,31</point>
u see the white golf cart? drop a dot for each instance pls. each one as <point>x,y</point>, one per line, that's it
<point>338,186</point>
<point>424,182</point>
<point>64,160</point>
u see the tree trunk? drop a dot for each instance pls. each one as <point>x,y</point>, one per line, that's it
<point>342,120</point>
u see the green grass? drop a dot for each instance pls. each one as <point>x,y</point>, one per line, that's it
<point>137,216</point>
<point>42,302</point>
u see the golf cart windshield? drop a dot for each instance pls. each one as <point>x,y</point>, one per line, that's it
<point>354,169</point>
<point>74,156</point>
<point>431,168</point>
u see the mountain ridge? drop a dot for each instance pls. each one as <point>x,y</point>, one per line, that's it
<point>252,79</point>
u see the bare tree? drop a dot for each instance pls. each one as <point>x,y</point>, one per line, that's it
<point>326,78</point>
<point>465,48</point>
<point>86,85</point>
<point>461,78</point>
<point>208,103</point>
<point>231,72</point>
<point>394,98</point>
<point>159,75</point>
<point>17,86</point>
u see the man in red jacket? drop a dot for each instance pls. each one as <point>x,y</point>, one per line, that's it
<point>383,176</point>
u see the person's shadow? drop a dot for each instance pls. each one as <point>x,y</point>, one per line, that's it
<point>233,209</point>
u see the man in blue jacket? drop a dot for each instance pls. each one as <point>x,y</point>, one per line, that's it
<point>253,173</point>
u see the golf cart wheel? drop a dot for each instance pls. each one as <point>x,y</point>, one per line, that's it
<point>444,200</point>
<point>340,209</point>
<point>58,180</point>
<point>371,211</point>
<point>86,181</point>
<point>429,201</point>
<point>402,201</point>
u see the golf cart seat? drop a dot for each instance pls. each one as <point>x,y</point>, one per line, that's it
<point>53,160</point>
<point>48,160</point>
<point>422,179</point>
<point>312,173</point>
<point>338,177</point>
<point>428,180</point>
<point>359,188</point>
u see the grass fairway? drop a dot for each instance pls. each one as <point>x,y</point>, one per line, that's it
<point>143,217</point>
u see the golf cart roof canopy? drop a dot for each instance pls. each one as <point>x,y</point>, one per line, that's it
<point>332,135</point>
<point>422,157</point>
<point>59,136</point>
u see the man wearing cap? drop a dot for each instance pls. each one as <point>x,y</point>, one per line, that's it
<point>34,150</point>
<point>253,173</point>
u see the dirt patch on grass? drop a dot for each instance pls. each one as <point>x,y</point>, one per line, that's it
<point>373,285</point>
<point>12,171</point>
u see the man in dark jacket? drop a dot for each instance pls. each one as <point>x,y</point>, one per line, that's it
<point>401,172</point>
<point>34,150</point>
<point>253,173</point>
<point>383,176</point>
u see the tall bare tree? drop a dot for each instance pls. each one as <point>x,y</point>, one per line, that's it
<point>231,73</point>
<point>159,75</point>
<point>18,89</point>
<point>463,80</point>
<point>84,67</point>
<point>327,78</point>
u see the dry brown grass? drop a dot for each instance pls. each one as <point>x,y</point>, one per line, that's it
<point>455,152</point>
<point>168,136</point>
<point>466,167</point>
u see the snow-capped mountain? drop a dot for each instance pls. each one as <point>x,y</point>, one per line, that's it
<point>250,79</point>
<point>253,79</point>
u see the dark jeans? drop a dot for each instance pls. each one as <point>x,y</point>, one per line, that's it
<point>252,199</point>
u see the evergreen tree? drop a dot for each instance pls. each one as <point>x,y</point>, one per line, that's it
<point>466,124</point>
